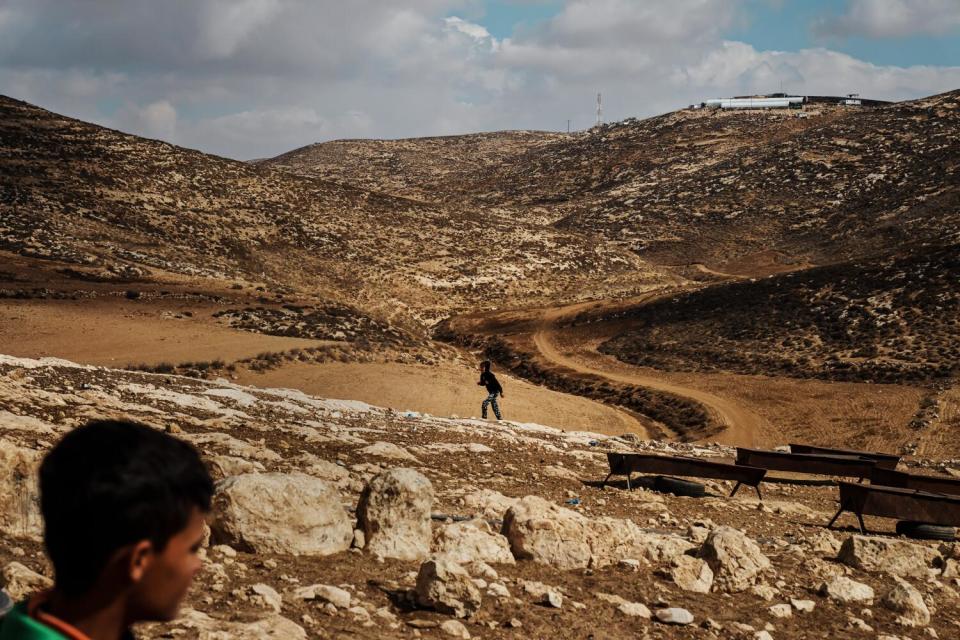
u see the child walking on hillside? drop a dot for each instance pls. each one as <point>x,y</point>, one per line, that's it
<point>494,389</point>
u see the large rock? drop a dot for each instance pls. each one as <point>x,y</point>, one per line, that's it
<point>674,615</point>
<point>208,628</point>
<point>907,601</point>
<point>394,514</point>
<point>388,450</point>
<point>843,589</point>
<point>546,533</point>
<point>472,541</point>
<point>20,581</point>
<point>280,513</point>
<point>19,498</point>
<point>445,586</point>
<point>736,560</point>
<point>896,557</point>
<point>488,503</point>
<point>340,598</point>
<point>691,574</point>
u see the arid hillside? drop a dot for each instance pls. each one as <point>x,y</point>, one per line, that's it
<point>895,320</point>
<point>744,192</point>
<point>111,203</point>
<point>429,169</point>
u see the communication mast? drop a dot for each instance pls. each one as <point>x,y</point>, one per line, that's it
<point>599,111</point>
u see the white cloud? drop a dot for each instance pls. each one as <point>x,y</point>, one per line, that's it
<point>229,22</point>
<point>893,19</point>
<point>155,120</point>
<point>739,68</point>
<point>476,31</point>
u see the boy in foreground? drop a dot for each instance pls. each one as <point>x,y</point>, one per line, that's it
<point>123,508</point>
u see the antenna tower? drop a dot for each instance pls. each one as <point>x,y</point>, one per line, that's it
<point>599,111</point>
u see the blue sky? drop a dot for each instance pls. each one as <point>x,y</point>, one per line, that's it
<point>787,25</point>
<point>254,78</point>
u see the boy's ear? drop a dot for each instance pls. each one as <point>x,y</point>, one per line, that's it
<point>139,559</point>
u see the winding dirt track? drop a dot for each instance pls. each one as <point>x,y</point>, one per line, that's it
<point>576,348</point>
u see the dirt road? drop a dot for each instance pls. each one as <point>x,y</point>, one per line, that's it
<point>576,348</point>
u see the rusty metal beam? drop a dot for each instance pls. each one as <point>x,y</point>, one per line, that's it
<point>902,504</point>
<point>882,460</point>
<point>809,463</point>
<point>904,480</point>
<point>625,464</point>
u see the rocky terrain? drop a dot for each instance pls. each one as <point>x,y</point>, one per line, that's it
<point>744,191</point>
<point>108,204</point>
<point>743,277</point>
<point>383,525</point>
<point>428,169</point>
<point>893,320</point>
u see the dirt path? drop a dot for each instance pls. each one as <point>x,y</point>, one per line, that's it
<point>577,350</point>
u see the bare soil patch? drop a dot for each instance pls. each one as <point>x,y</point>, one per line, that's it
<point>444,390</point>
<point>119,332</point>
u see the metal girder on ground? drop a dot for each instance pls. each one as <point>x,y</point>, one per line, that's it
<point>902,504</point>
<point>904,480</point>
<point>883,460</point>
<point>625,464</point>
<point>811,463</point>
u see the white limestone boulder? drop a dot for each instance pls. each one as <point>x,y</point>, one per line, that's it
<point>280,513</point>
<point>394,514</point>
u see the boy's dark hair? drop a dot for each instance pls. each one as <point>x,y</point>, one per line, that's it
<point>112,483</point>
<point>486,365</point>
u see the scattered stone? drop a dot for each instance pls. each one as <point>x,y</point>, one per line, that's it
<point>735,559</point>
<point>226,466</point>
<point>907,601</point>
<point>19,497</point>
<point>859,624</point>
<point>823,542</point>
<point>383,614</point>
<point>388,450</point>
<point>266,596</point>
<point>20,581</point>
<point>764,591</point>
<point>546,533</point>
<point>455,629</point>
<point>674,615</point>
<point>420,623</point>
<point>488,504</point>
<point>552,599</point>
<point>847,590</point>
<point>612,598</point>
<point>472,541</point>
<point>803,605</point>
<point>280,513</point>
<point>781,611</point>
<point>445,586</point>
<point>634,609</point>
<point>340,598</point>
<point>272,628</point>
<point>896,557</point>
<point>691,574</point>
<point>394,514</point>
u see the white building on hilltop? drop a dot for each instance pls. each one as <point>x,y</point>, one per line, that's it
<point>780,102</point>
